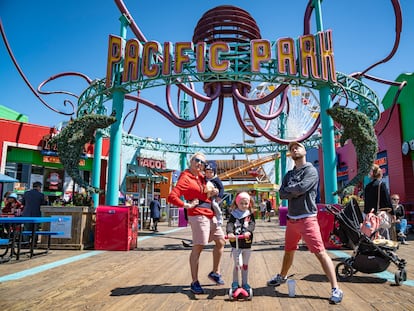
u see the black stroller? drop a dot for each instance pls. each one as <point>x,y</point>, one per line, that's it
<point>369,256</point>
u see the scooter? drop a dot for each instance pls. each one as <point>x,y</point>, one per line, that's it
<point>240,292</point>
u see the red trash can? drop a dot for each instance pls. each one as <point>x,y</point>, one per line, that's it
<point>326,223</point>
<point>116,228</point>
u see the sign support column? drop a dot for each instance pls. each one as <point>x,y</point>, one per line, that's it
<point>114,161</point>
<point>96,172</point>
<point>327,124</point>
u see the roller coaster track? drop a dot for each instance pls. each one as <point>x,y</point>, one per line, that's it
<point>249,165</point>
<point>152,144</point>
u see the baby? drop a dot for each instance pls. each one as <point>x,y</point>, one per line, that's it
<point>214,182</point>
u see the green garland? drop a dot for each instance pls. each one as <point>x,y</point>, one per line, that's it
<point>71,141</point>
<point>357,127</point>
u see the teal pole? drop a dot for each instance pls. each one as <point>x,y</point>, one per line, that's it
<point>184,132</point>
<point>283,171</point>
<point>277,178</point>
<point>114,161</point>
<point>283,152</point>
<point>327,124</point>
<point>96,171</point>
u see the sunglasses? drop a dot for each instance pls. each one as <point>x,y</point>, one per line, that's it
<point>197,160</point>
<point>394,199</point>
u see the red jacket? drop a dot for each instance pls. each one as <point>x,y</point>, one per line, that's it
<point>7,209</point>
<point>191,187</point>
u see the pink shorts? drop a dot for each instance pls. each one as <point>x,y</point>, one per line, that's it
<point>204,230</point>
<point>307,229</point>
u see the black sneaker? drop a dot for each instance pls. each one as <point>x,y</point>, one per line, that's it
<point>277,280</point>
<point>196,288</point>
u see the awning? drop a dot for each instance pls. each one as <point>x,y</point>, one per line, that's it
<point>141,172</point>
<point>5,178</point>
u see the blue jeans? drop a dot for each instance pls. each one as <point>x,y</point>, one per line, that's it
<point>401,226</point>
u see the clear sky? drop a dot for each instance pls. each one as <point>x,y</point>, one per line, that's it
<point>49,37</point>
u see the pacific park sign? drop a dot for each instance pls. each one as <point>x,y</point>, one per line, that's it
<point>307,57</point>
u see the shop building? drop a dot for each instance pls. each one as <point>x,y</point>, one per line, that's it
<point>27,156</point>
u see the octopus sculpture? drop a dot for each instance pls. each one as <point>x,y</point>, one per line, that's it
<point>234,26</point>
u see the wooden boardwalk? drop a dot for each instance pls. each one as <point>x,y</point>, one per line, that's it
<point>156,276</point>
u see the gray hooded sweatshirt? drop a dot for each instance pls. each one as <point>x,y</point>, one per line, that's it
<point>299,187</point>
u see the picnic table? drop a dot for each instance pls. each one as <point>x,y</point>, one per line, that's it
<point>16,234</point>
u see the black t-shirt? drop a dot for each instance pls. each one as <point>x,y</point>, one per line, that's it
<point>268,206</point>
<point>371,197</point>
<point>399,211</point>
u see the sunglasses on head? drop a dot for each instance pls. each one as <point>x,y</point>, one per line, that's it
<point>197,160</point>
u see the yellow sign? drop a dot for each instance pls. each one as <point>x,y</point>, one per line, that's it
<point>56,160</point>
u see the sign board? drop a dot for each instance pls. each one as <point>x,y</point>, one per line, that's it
<point>63,225</point>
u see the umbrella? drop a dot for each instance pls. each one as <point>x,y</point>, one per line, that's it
<point>5,178</point>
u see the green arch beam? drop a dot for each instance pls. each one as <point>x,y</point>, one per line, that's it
<point>366,100</point>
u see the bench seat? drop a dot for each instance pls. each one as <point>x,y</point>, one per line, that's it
<point>5,243</point>
<point>43,232</point>
<point>46,233</point>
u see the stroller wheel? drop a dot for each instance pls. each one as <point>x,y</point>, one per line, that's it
<point>404,274</point>
<point>400,276</point>
<point>343,271</point>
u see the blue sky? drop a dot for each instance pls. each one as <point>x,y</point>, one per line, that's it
<point>49,37</point>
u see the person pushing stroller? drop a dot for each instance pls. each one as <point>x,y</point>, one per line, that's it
<point>241,222</point>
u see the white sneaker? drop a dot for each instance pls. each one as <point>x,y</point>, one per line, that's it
<point>277,280</point>
<point>336,297</point>
<point>400,234</point>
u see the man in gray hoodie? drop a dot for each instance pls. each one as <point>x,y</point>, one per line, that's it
<point>299,187</point>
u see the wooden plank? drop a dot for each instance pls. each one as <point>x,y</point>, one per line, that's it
<point>156,276</point>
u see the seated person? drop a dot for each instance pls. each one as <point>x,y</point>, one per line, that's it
<point>12,205</point>
<point>401,222</point>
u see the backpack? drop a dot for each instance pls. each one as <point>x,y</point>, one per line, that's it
<point>370,224</point>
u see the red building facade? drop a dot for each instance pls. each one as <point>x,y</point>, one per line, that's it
<point>25,157</point>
